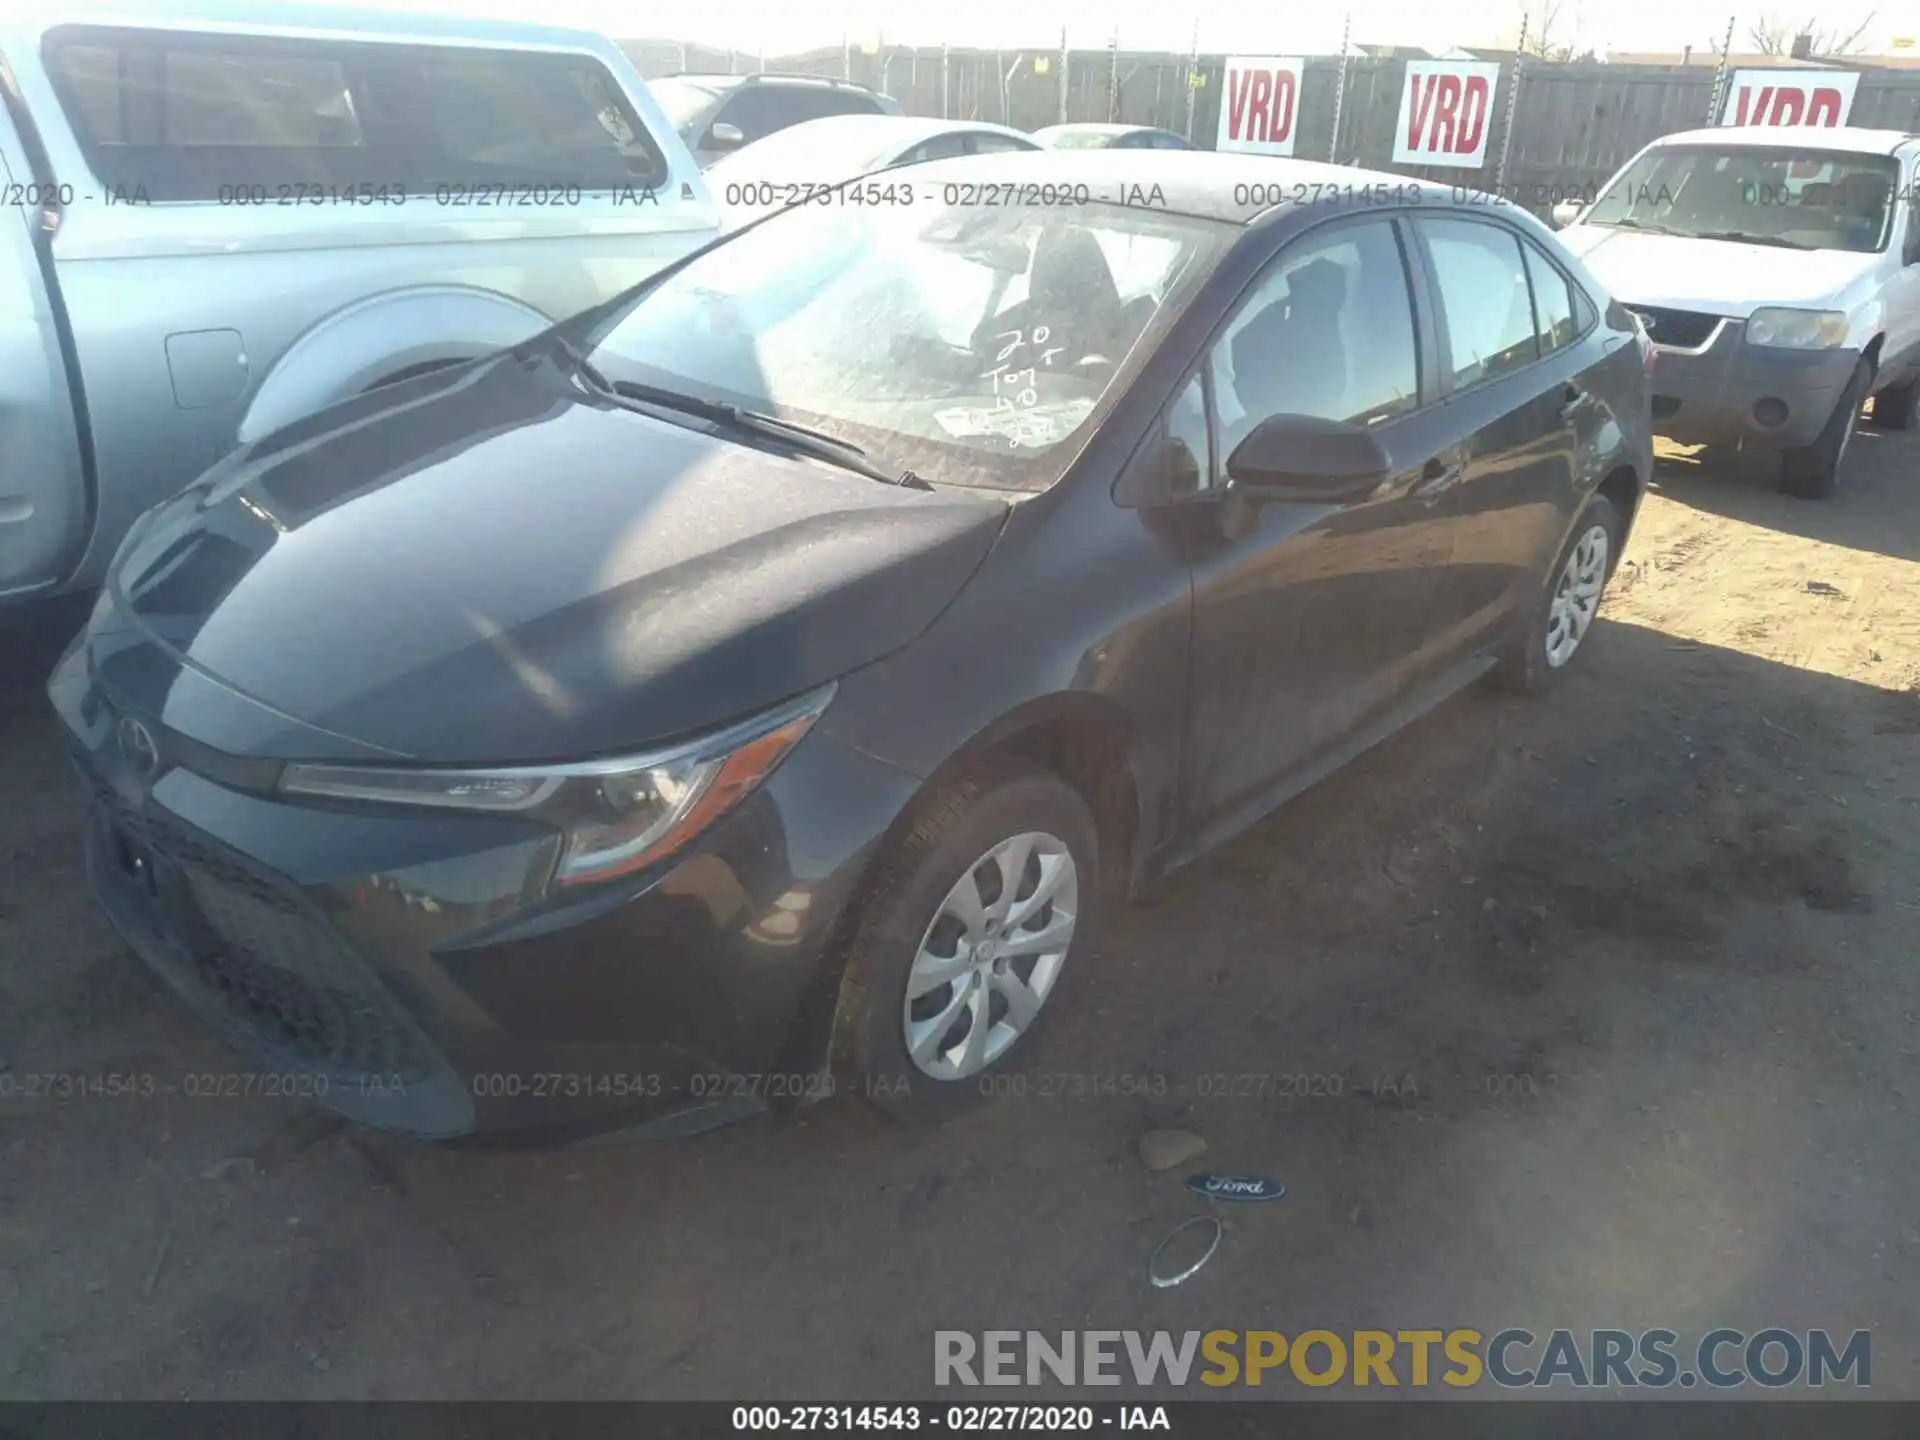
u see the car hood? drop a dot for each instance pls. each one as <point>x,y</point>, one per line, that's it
<point>1718,277</point>
<point>493,564</point>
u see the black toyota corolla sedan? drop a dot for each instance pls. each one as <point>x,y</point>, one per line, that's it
<point>767,680</point>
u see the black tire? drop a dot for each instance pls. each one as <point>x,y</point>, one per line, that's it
<point>959,824</point>
<point>1893,407</point>
<point>1524,665</point>
<point>1812,472</point>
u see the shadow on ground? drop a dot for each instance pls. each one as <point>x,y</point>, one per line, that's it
<point>1594,1011</point>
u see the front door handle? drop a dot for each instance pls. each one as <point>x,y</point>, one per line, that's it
<point>1437,477</point>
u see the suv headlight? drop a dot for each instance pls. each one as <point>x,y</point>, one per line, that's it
<point>1797,329</point>
<point>618,815</point>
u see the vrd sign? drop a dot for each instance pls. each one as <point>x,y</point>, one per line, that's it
<point>1259,105</point>
<point>1820,98</point>
<point>1445,107</point>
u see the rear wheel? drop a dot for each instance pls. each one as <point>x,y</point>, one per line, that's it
<point>973,927</point>
<point>1563,613</point>
<point>1813,471</point>
<point>1893,407</point>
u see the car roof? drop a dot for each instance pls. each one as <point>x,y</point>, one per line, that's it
<point>253,18</point>
<point>762,77</point>
<point>907,129</point>
<point>1852,138</point>
<point>1210,184</point>
<point>1098,127</point>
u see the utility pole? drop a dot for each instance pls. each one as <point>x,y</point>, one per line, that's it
<point>945,113</point>
<point>1720,76</point>
<point>1340,90</point>
<point>1513,102</point>
<point>1193,76</point>
<point>1066,59</point>
<point>1113,76</point>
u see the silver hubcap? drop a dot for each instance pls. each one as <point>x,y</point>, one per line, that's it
<point>1577,596</point>
<point>991,956</point>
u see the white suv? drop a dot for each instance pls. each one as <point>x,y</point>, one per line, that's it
<point>1778,274</point>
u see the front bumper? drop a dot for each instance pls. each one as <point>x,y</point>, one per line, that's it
<point>1727,392</point>
<point>410,970</point>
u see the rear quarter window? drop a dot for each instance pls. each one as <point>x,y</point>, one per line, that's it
<point>269,119</point>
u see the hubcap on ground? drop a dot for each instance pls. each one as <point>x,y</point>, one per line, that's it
<point>1576,596</point>
<point>991,956</point>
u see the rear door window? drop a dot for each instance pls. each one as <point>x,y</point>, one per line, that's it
<point>940,147</point>
<point>1487,301</point>
<point>270,119</point>
<point>985,142</point>
<point>1553,307</point>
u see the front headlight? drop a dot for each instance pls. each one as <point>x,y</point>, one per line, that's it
<point>618,815</point>
<point>1797,329</point>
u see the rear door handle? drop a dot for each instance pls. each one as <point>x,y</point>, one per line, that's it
<point>1572,398</point>
<point>1438,476</point>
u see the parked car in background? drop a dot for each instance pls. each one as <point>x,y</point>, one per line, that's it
<point>804,161</point>
<point>1778,274</point>
<point>718,114</point>
<point>222,218</point>
<point>1091,136</point>
<point>778,671</point>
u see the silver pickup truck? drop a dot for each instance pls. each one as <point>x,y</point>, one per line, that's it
<point>213,222</point>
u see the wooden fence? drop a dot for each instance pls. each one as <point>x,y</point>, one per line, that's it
<point>1573,124</point>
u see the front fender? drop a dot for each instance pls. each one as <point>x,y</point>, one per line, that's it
<point>367,341</point>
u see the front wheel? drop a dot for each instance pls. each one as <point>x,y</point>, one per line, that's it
<point>1564,611</point>
<point>971,931</point>
<point>1812,472</point>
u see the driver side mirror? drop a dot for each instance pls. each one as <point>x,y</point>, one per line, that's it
<point>725,135</point>
<point>1566,212</point>
<point>1309,461</point>
<point>1911,254</point>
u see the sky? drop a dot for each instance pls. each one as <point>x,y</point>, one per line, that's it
<point>781,25</point>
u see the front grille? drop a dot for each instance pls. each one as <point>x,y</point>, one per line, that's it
<point>1683,329</point>
<point>254,951</point>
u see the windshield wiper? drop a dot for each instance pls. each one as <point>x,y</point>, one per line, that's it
<point>816,444</point>
<point>1626,224</point>
<point>1747,238</point>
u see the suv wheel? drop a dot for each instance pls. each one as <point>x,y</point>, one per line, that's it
<point>1561,617</point>
<point>1813,471</point>
<point>972,928</point>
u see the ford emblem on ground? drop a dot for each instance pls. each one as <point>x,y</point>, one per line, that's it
<point>1236,1187</point>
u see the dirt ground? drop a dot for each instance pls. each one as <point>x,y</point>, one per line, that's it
<point>1618,991</point>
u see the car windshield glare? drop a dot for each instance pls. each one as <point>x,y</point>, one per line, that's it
<point>800,157</point>
<point>969,343</point>
<point>683,101</point>
<point>1787,196</point>
<point>1082,140</point>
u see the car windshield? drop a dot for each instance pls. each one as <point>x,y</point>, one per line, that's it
<point>684,101</point>
<point>969,343</point>
<point>814,152</point>
<point>1080,140</point>
<point>1786,196</point>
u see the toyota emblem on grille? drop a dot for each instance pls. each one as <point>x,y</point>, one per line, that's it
<point>139,747</point>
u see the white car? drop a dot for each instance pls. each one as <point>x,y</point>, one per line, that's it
<point>1091,135</point>
<point>805,161</point>
<point>1777,273</point>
